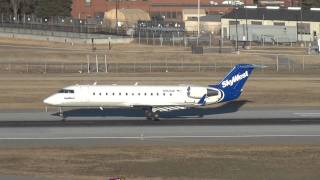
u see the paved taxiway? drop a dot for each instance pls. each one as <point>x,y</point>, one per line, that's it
<point>122,126</point>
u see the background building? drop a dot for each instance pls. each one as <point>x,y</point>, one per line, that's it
<point>284,3</point>
<point>170,9</point>
<point>286,24</point>
<point>210,23</point>
<point>192,13</point>
<point>125,18</point>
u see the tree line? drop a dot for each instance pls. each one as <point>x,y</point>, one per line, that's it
<point>51,8</point>
<point>40,8</point>
<point>310,3</point>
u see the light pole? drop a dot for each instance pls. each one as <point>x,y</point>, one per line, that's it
<point>80,28</point>
<point>117,7</point>
<point>247,33</point>
<point>198,35</point>
<point>237,47</point>
<point>198,18</point>
<point>300,20</point>
<point>71,21</point>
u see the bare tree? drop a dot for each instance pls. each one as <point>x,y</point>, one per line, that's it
<point>15,5</point>
<point>27,6</point>
<point>4,7</point>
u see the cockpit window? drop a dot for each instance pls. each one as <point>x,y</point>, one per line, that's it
<point>70,91</point>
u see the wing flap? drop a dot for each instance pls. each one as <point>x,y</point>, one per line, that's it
<point>167,108</point>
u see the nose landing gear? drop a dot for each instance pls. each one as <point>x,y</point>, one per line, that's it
<point>61,114</point>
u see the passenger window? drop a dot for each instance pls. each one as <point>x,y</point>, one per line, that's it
<point>100,94</point>
<point>94,93</point>
<point>126,94</point>
<point>164,94</point>
<point>112,94</point>
<point>170,94</point>
<point>106,94</point>
<point>151,94</point>
<point>139,94</point>
<point>145,94</point>
<point>119,94</point>
<point>132,94</point>
<point>157,94</point>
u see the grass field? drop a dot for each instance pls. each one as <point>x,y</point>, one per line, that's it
<point>185,162</point>
<point>27,90</point>
<point>22,51</point>
<point>20,91</point>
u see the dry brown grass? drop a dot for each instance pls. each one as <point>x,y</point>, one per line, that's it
<point>165,162</point>
<point>21,91</point>
<point>133,53</point>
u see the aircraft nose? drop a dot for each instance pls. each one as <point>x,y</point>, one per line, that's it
<point>49,100</point>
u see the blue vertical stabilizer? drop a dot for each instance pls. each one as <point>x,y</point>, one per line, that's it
<point>231,86</point>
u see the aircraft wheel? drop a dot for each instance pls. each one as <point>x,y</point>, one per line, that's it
<point>156,116</point>
<point>63,117</point>
<point>61,114</point>
<point>149,114</point>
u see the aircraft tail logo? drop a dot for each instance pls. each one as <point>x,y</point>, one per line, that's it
<point>232,84</point>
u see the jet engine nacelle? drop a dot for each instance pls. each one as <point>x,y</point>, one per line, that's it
<point>196,92</point>
<point>199,92</point>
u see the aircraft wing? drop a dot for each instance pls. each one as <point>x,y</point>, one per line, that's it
<point>162,108</point>
<point>167,108</point>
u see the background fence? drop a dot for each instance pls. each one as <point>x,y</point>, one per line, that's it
<point>84,29</point>
<point>106,67</point>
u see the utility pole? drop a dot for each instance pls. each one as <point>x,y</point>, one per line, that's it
<point>301,26</point>
<point>198,23</point>
<point>237,41</point>
<point>117,7</point>
<point>198,18</point>
<point>247,33</point>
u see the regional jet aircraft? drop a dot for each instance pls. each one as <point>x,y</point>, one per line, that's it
<point>153,99</point>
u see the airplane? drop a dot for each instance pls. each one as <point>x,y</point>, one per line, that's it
<point>153,99</point>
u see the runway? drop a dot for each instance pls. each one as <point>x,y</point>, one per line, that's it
<point>231,110</point>
<point>89,127</point>
<point>124,135</point>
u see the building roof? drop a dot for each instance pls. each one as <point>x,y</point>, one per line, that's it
<point>274,14</point>
<point>211,17</point>
<point>208,18</point>
<point>131,15</point>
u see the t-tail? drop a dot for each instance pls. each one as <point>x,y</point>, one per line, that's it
<point>231,86</point>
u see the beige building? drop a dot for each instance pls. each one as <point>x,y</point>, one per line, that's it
<point>192,13</point>
<point>307,22</point>
<point>210,23</point>
<point>125,17</point>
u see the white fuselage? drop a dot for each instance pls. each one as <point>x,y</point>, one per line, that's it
<point>130,96</point>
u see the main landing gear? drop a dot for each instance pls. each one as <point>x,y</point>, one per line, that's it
<point>150,115</point>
